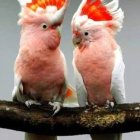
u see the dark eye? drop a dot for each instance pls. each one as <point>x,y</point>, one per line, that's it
<point>86,33</point>
<point>44,26</point>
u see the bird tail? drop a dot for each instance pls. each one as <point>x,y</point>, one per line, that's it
<point>70,97</point>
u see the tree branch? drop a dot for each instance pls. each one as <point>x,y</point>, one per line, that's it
<point>69,121</point>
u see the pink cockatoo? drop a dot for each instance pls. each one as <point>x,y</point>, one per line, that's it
<point>98,62</point>
<point>40,67</point>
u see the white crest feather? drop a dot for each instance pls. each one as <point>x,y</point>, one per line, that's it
<point>80,20</point>
<point>51,9</point>
<point>77,14</point>
<point>117,13</point>
<point>40,10</point>
<point>24,2</point>
<point>113,5</point>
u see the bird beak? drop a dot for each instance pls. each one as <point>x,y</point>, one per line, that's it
<point>76,41</point>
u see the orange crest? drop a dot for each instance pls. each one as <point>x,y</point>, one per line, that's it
<point>44,3</point>
<point>96,10</point>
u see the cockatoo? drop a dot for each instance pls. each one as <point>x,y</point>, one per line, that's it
<point>40,67</point>
<point>97,61</point>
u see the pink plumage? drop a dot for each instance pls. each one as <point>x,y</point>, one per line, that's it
<point>95,61</point>
<point>41,64</point>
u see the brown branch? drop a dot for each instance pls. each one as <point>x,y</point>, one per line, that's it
<point>69,121</point>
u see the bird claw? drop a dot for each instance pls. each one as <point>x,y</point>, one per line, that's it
<point>110,105</point>
<point>93,106</point>
<point>56,107</point>
<point>28,103</point>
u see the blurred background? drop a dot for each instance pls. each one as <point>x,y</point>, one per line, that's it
<point>128,38</point>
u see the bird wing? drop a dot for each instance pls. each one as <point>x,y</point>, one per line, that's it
<point>117,83</point>
<point>80,87</point>
<point>18,88</point>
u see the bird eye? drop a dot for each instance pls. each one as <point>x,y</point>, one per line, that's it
<point>86,33</point>
<point>44,26</point>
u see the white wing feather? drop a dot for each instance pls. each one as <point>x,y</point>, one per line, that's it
<point>117,83</point>
<point>80,87</point>
<point>18,88</point>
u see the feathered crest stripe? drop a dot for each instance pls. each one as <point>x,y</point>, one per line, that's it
<point>34,4</point>
<point>96,10</point>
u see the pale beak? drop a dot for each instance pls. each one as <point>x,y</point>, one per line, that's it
<point>76,40</point>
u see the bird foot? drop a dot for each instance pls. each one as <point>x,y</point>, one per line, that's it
<point>110,105</point>
<point>93,105</point>
<point>28,103</point>
<point>56,107</point>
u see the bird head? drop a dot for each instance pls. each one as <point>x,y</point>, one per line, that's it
<point>42,19</point>
<point>94,18</point>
